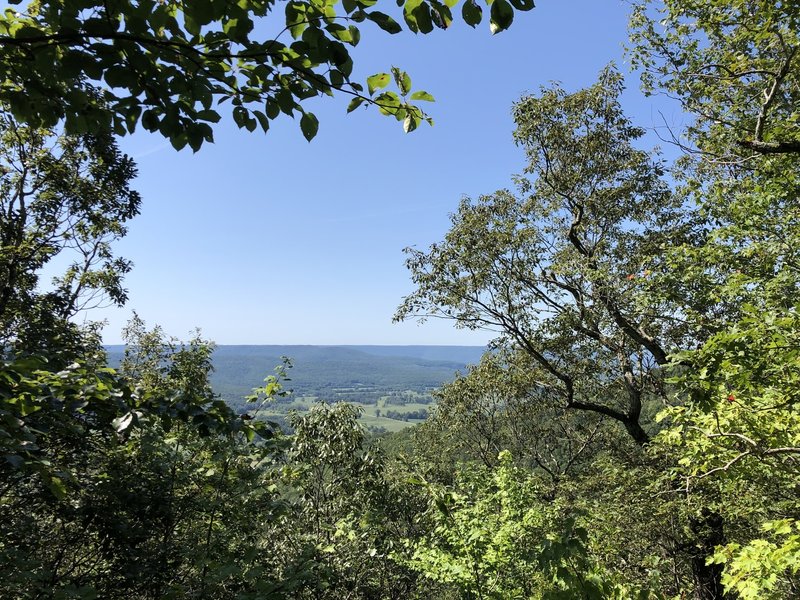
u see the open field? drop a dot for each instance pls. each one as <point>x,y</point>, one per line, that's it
<point>373,416</point>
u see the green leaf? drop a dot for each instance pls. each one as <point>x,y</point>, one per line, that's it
<point>341,33</point>
<point>471,12</point>
<point>122,423</point>
<point>523,5</point>
<point>355,103</point>
<point>192,26</point>
<point>285,102</point>
<point>200,11</point>
<point>195,137</point>
<point>385,22</point>
<point>272,109</point>
<point>240,116</point>
<point>296,19</point>
<point>388,103</point>
<point>501,15</point>
<point>441,14</point>
<point>150,120</point>
<point>422,18</point>
<point>402,80</point>
<point>421,95</point>
<point>408,13</point>
<point>309,125</point>
<point>56,487</point>
<point>377,82</point>
<point>211,116</point>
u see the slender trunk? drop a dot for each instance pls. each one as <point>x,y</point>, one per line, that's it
<point>708,529</point>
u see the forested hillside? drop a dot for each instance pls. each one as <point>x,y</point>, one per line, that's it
<point>392,385</point>
<point>634,431</point>
<point>352,373</point>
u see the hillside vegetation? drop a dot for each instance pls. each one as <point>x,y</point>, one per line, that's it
<point>393,385</point>
<point>634,432</point>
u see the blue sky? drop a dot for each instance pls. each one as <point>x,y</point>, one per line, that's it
<point>269,239</point>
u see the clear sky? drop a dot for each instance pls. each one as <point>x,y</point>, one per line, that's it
<point>269,239</point>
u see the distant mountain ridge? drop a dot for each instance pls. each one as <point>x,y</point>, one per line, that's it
<point>357,373</point>
<point>461,354</point>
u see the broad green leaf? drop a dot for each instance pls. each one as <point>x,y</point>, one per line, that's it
<point>297,20</point>
<point>421,95</point>
<point>355,103</point>
<point>388,103</point>
<point>422,18</point>
<point>309,125</point>
<point>502,15</point>
<point>402,80</point>
<point>211,116</point>
<point>240,116</point>
<point>385,22</point>
<point>377,82</point>
<point>471,12</point>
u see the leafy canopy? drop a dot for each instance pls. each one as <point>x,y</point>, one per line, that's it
<point>559,268</point>
<point>62,198</point>
<point>733,64</point>
<point>167,65</point>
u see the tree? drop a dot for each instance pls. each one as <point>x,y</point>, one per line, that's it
<point>494,536</point>
<point>341,515</point>
<point>136,485</point>
<point>577,272</point>
<point>733,66</point>
<point>736,440</point>
<point>496,407</point>
<point>112,65</point>
<point>558,270</point>
<point>60,196</point>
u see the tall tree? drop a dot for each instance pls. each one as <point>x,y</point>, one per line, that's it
<point>734,66</point>
<point>60,196</point>
<point>559,268</point>
<point>497,405</point>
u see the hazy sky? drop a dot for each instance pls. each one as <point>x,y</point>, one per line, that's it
<point>269,239</point>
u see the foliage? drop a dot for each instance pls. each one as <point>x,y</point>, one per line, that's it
<point>483,541</point>
<point>344,507</point>
<point>50,417</point>
<point>739,429</point>
<point>761,568</point>
<point>109,66</point>
<point>496,406</point>
<point>614,295</point>
<point>494,537</point>
<point>148,490</point>
<point>744,404</point>
<point>60,196</point>
<point>732,64</point>
<point>557,270</point>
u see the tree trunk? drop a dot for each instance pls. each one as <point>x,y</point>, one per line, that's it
<point>709,531</point>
